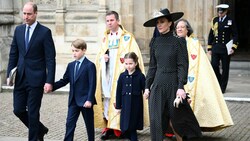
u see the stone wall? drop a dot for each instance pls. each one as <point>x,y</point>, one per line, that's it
<point>85,19</point>
<point>67,19</point>
<point>8,19</point>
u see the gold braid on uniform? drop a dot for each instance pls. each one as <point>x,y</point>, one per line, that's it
<point>215,28</point>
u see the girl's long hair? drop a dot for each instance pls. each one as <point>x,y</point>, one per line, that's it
<point>132,55</point>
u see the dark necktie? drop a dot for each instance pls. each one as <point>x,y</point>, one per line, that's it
<point>221,19</point>
<point>27,37</point>
<point>77,68</point>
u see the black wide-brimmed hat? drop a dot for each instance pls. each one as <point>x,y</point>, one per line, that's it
<point>163,13</point>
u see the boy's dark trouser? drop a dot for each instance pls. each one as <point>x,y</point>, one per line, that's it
<point>73,114</point>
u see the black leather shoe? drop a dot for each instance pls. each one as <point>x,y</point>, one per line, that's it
<point>44,131</point>
<point>123,137</point>
<point>106,134</point>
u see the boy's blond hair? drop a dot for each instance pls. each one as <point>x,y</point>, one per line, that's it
<point>79,44</point>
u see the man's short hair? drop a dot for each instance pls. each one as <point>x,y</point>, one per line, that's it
<point>33,5</point>
<point>113,13</point>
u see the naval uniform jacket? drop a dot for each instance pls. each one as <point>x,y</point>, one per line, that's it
<point>221,33</point>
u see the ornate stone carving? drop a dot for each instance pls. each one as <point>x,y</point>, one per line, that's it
<point>45,2</point>
<point>83,2</point>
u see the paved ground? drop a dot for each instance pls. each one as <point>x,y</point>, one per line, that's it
<point>54,109</point>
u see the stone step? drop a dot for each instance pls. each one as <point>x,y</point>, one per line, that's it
<point>245,65</point>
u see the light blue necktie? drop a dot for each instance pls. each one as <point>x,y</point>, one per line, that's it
<point>27,37</point>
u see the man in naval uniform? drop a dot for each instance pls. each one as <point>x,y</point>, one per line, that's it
<point>223,30</point>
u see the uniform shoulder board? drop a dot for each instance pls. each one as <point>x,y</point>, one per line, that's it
<point>214,18</point>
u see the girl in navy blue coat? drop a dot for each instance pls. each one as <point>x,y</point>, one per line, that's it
<point>129,97</point>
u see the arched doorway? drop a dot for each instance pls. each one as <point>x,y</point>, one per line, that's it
<point>242,11</point>
<point>239,11</point>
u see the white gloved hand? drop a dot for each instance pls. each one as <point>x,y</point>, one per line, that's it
<point>177,101</point>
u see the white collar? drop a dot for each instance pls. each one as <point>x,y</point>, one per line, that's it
<point>33,26</point>
<point>223,18</point>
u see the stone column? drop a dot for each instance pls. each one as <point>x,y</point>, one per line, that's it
<point>140,8</point>
<point>208,13</point>
<point>6,22</point>
<point>127,15</point>
<point>101,20</point>
<point>115,5</point>
<point>60,25</point>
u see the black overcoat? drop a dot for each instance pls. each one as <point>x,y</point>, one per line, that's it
<point>130,100</point>
<point>168,70</point>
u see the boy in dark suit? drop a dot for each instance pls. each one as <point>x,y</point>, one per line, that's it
<point>81,74</point>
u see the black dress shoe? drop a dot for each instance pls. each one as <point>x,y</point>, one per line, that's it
<point>123,137</point>
<point>107,134</point>
<point>44,131</point>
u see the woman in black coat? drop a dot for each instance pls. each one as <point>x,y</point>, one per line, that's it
<point>165,80</point>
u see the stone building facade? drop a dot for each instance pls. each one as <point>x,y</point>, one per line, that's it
<point>85,19</point>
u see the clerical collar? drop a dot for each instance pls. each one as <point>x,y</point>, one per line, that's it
<point>114,33</point>
<point>118,33</point>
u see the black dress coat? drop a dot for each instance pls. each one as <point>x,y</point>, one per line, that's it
<point>168,69</point>
<point>130,100</point>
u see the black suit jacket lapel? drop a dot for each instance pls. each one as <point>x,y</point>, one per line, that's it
<point>22,38</point>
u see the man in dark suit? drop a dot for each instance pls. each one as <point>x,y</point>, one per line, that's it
<point>33,52</point>
<point>81,75</point>
<point>222,31</point>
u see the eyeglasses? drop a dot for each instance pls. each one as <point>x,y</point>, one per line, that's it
<point>181,27</point>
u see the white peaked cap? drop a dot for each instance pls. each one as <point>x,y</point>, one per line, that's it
<point>224,6</point>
